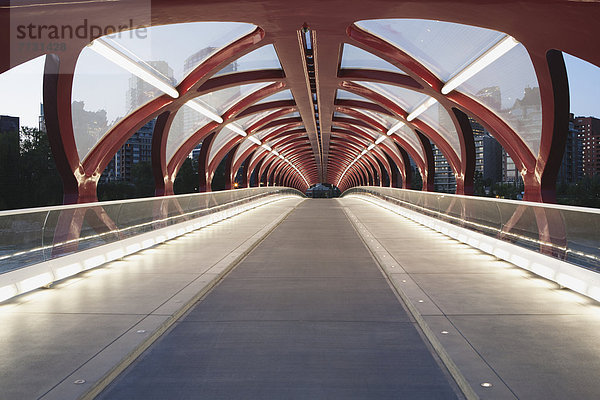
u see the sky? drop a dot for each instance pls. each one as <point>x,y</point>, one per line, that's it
<point>21,89</point>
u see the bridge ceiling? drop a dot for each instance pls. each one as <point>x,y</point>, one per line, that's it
<point>272,80</point>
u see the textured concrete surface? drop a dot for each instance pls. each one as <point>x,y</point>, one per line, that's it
<point>499,323</point>
<point>83,326</point>
<point>307,315</point>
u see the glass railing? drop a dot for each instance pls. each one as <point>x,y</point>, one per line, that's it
<point>35,235</point>
<point>568,233</point>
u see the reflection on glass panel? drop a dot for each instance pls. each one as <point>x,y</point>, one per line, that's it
<point>21,89</point>
<point>294,114</point>
<point>259,59</point>
<point>410,136</point>
<point>245,145</point>
<point>405,98</point>
<point>444,48</point>
<point>168,43</point>
<point>386,120</point>
<point>222,138</point>
<point>283,95</point>
<point>222,100</point>
<point>345,95</point>
<point>103,94</point>
<point>438,118</point>
<point>354,57</point>
<point>509,87</point>
<point>250,120</point>
<point>186,122</point>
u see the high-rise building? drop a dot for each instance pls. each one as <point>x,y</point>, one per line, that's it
<point>444,179</point>
<point>191,118</point>
<point>589,133</point>
<point>138,148</point>
<point>488,154</point>
<point>571,168</point>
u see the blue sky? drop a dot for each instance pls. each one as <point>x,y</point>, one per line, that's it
<point>21,90</point>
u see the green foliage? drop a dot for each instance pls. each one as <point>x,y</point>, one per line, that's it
<point>584,193</point>
<point>141,185</point>
<point>38,182</point>
<point>187,178</point>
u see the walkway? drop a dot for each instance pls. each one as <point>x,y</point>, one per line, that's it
<point>308,311</point>
<point>307,315</point>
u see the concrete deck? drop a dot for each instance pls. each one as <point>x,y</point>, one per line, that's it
<point>307,315</point>
<point>83,327</point>
<point>500,324</point>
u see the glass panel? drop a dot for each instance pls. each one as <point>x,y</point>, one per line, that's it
<point>21,89</point>
<point>294,114</point>
<point>246,122</point>
<point>438,118</point>
<point>354,57</point>
<point>345,95</point>
<point>509,87</point>
<point>444,48</point>
<point>222,100</point>
<point>223,137</point>
<point>103,94</point>
<point>405,98</point>
<point>171,44</point>
<point>32,237</point>
<point>260,59</point>
<point>283,95</point>
<point>245,145</point>
<point>186,122</point>
<point>410,136</point>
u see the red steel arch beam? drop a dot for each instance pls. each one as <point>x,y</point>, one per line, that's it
<point>365,105</point>
<point>389,152</point>
<point>405,146</point>
<point>431,133</point>
<point>251,149</point>
<point>432,86</point>
<point>100,155</point>
<point>270,105</point>
<point>230,115</point>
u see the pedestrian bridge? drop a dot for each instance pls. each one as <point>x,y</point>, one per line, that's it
<point>261,293</point>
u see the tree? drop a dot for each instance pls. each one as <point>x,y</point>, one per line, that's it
<point>187,178</point>
<point>39,181</point>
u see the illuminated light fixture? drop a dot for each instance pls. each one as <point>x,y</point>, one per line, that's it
<point>35,282</point>
<point>502,47</point>
<point>395,128</point>
<point>380,139</point>
<point>106,50</point>
<point>282,157</point>
<point>6,292</point>
<point>362,153</point>
<point>371,146</point>
<point>253,139</point>
<point>275,152</point>
<point>421,109</point>
<point>193,104</point>
<point>266,147</point>
<point>236,129</point>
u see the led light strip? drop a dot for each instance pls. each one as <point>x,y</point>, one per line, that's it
<point>502,47</point>
<point>193,104</point>
<point>138,68</point>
